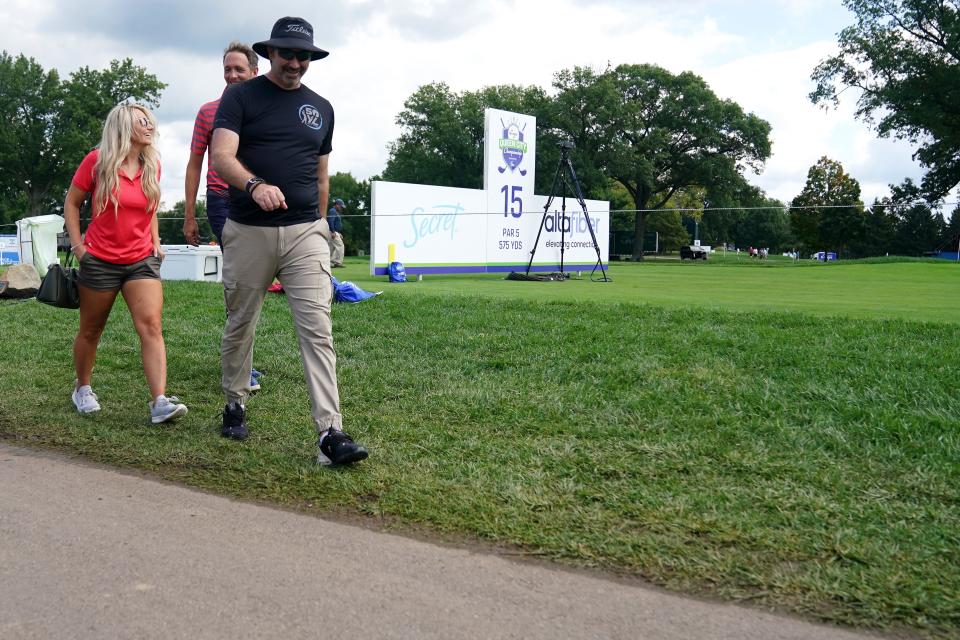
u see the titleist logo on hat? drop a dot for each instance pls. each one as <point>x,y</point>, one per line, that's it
<point>300,28</point>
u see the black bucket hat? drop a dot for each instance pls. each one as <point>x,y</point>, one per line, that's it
<point>291,33</point>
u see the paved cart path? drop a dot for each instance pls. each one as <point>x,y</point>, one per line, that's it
<point>90,552</point>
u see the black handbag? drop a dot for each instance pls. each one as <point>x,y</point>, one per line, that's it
<point>59,286</point>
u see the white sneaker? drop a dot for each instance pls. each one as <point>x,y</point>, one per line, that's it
<point>84,399</point>
<point>165,409</point>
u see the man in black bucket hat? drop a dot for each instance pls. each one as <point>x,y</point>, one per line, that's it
<point>271,142</point>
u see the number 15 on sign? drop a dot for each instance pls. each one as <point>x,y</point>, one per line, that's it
<point>512,202</point>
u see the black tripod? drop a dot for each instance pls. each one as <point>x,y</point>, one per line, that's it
<point>560,178</point>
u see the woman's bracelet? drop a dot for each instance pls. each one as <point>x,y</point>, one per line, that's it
<point>73,247</point>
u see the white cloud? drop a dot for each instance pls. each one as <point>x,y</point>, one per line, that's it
<point>759,55</point>
<point>775,86</point>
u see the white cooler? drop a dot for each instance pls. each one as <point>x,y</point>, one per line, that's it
<point>183,262</point>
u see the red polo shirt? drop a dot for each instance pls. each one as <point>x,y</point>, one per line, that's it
<point>202,134</point>
<point>124,237</point>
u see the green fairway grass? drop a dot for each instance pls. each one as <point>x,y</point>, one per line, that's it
<point>918,290</point>
<point>779,433</point>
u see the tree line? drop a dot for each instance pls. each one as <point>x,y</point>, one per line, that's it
<point>669,154</point>
<point>48,124</point>
<point>664,149</point>
<point>645,139</point>
<point>684,157</point>
<point>829,215</point>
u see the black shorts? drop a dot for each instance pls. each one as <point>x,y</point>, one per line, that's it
<point>105,276</point>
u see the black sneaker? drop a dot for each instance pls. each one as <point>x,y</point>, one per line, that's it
<point>234,425</point>
<point>339,448</point>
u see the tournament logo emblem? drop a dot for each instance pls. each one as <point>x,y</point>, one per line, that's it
<point>512,146</point>
<point>310,116</point>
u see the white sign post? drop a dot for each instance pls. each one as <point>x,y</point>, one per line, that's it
<point>509,175</point>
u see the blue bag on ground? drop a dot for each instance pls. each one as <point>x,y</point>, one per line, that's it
<point>349,292</point>
<point>396,272</point>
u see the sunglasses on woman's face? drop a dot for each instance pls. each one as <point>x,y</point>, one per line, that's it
<point>290,54</point>
<point>143,122</point>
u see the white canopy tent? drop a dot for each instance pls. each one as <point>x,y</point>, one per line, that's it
<point>37,239</point>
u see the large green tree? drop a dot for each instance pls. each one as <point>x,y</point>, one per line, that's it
<point>47,125</point>
<point>443,131</point>
<point>356,217</point>
<point>578,113</point>
<point>918,230</point>
<point>918,224</point>
<point>658,133</point>
<point>28,100</point>
<point>746,216</point>
<point>170,224</point>
<point>879,231</point>
<point>638,126</point>
<point>903,57</point>
<point>828,213</point>
<point>950,240</point>
<point>765,225</point>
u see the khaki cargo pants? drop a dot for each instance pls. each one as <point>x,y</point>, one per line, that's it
<point>297,255</point>
<point>336,250</point>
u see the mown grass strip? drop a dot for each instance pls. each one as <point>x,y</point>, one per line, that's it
<point>877,289</point>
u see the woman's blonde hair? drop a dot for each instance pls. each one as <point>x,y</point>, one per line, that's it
<point>114,147</point>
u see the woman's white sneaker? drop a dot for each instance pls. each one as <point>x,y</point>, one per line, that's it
<point>84,399</point>
<point>165,409</point>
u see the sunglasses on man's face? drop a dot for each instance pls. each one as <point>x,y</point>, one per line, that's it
<point>290,54</point>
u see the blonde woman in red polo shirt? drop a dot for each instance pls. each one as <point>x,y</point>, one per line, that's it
<point>120,252</point>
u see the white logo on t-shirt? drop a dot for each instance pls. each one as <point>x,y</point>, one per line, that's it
<point>310,116</point>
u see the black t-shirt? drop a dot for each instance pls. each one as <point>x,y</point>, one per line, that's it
<point>282,135</point>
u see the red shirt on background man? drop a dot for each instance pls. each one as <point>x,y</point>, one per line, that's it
<point>202,132</point>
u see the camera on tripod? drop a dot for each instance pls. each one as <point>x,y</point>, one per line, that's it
<point>561,184</point>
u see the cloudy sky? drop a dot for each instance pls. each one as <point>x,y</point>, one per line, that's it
<point>759,53</point>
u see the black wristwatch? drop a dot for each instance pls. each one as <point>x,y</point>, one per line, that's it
<point>252,184</point>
